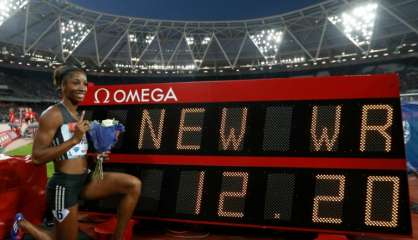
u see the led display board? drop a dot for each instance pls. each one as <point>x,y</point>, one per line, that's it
<point>311,154</point>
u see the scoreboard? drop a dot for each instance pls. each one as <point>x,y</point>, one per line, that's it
<point>307,154</point>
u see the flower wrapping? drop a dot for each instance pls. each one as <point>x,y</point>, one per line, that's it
<point>104,136</point>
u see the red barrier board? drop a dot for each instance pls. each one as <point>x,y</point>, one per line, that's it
<point>22,189</point>
<point>7,137</point>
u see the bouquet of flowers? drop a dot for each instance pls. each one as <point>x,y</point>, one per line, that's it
<point>104,135</point>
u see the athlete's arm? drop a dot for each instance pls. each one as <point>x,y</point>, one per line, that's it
<point>42,151</point>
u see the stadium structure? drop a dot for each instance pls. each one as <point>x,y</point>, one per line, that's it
<point>43,33</point>
<point>332,37</point>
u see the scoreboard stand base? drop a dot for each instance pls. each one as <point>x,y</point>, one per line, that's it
<point>187,231</point>
<point>323,236</point>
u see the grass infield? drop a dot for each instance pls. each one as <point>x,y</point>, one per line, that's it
<point>26,150</point>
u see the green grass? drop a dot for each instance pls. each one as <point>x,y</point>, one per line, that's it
<point>21,151</point>
<point>50,169</point>
<point>26,150</point>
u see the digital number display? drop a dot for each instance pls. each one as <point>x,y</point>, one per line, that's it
<point>298,198</point>
<point>261,153</point>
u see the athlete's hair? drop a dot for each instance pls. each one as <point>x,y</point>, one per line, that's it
<point>62,73</point>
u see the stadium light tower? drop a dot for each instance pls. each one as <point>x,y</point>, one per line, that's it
<point>267,42</point>
<point>72,34</point>
<point>197,44</point>
<point>357,23</point>
<point>10,7</point>
<point>139,42</point>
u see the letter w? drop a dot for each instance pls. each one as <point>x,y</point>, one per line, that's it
<point>232,138</point>
<point>330,143</point>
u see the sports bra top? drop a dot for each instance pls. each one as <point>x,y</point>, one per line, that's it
<point>66,132</point>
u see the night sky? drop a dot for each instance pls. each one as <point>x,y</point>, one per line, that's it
<point>209,10</point>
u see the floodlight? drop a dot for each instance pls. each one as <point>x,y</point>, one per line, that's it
<point>205,40</point>
<point>10,7</point>
<point>190,40</point>
<point>292,60</point>
<point>132,38</point>
<point>149,39</point>
<point>72,34</point>
<point>267,42</point>
<point>197,40</point>
<point>357,23</point>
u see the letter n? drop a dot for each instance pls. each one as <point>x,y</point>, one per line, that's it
<point>151,129</point>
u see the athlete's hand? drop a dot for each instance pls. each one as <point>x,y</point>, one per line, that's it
<point>81,128</point>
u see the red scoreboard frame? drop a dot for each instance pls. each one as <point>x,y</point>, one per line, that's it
<point>318,154</point>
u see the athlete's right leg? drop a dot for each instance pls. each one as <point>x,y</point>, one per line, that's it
<point>67,229</point>
<point>62,194</point>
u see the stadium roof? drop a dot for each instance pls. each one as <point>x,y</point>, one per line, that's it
<point>42,33</point>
